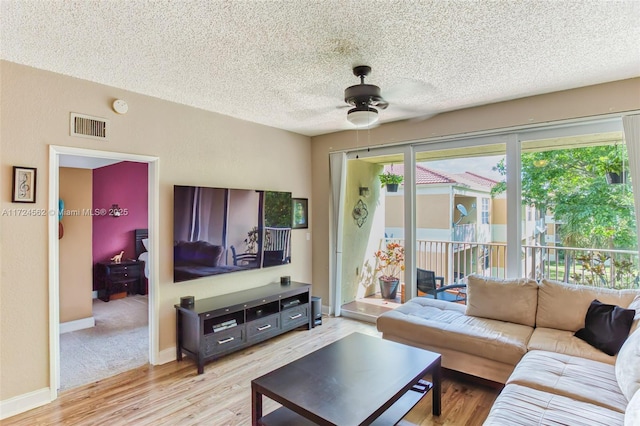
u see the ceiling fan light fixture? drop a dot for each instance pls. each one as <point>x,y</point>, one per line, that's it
<point>360,117</point>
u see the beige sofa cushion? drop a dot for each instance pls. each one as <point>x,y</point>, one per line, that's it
<point>444,324</point>
<point>523,406</point>
<point>564,342</point>
<point>504,300</point>
<point>574,377</point>
<point>555,297</point>
<point>628,365</point>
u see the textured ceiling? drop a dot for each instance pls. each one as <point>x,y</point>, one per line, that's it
<point>286,63</point>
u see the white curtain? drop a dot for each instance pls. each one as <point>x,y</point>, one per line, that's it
<point>338,176</point>
<point>201,217</point>
<point>631,125</point>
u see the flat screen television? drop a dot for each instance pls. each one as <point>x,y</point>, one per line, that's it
<point>222,230</point>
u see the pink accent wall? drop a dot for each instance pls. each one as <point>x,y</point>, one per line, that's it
<point>124,184</point>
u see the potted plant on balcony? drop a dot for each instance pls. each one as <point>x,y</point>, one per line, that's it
<point>252,240</point>
<point>613,168</point>
<point>390,262</point>
<point>390,180</point>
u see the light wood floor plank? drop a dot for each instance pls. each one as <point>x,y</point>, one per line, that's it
<point>174,394</point>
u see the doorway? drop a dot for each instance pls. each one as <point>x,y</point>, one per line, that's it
<point>84,155</point>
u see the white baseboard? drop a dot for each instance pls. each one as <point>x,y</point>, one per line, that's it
<point>166,355</point>
<point>326,309</point>
<point>76,325</point>
<point>94,295</point>
<point>21,403</point>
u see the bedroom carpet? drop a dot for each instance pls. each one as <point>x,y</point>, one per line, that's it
<point>119,342</point>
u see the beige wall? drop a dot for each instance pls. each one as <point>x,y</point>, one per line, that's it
<point>76,278</point>
<point>589,101</point>
<point>195,147</point>
<point>394,210</point>
<point>498,211</point>
<point>433,211</point>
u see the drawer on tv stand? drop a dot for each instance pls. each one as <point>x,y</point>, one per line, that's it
<point>262,326</point>
<point>221,342</point>
<point>295,317</point>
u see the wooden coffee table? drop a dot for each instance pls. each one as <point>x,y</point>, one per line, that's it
<point>357,380</point>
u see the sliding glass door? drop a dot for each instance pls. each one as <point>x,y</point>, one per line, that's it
<point>549,202</point>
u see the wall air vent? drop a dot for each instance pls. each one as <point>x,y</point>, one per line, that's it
<point>85,126</point>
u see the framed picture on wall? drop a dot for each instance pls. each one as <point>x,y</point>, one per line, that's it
<point>24,185</point>
<point>300,213</point>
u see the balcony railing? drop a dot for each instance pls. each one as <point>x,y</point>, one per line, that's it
<point>595,267</point>
<point>466,232</point>
<point>456,260</point>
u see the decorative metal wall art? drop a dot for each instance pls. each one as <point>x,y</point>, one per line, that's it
<point>360,213</point>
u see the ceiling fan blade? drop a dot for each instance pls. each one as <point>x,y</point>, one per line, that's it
<point>412,97</point>
<point>408,87</point>
<point>380,103</point>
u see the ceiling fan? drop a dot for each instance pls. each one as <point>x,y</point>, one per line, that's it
<point>365,98</point>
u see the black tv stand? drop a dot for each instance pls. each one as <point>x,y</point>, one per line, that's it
<point>219,325</point>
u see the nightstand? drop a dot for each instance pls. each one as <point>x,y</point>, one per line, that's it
<point>113,278</point>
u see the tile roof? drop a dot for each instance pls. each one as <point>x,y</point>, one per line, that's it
<point>427,176</point>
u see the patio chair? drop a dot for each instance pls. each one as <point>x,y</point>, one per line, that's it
<point>244,259</point>
<point>427,284</point>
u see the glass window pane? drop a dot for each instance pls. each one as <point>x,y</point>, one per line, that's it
<point>461,213</point>
<point>579,190</point>
<point>373,218</point>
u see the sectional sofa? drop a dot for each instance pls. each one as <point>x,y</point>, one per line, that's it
<point>522,333</point>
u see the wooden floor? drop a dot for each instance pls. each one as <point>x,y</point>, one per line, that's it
<point>173,394</point>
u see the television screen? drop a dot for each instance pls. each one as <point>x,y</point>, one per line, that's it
<point>222,230</point>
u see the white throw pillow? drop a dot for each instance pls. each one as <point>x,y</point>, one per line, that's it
<point>628,366</point>
<point>145,242</point>
<point>632,414</point>
<point>636,320</point>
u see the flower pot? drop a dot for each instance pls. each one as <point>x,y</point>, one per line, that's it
<point>392,187</point>
<point>614,178</point>
<point>388,288</point>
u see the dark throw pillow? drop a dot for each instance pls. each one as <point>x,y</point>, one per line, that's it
<point>606,327</point>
